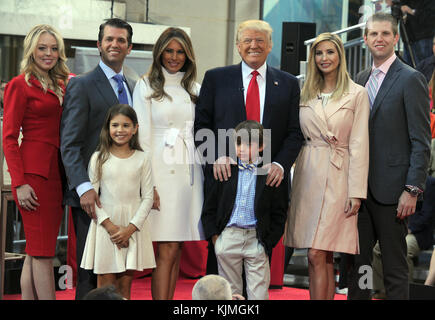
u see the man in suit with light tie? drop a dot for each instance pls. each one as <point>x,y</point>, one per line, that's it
<point>251,90</point>
<point>87,99</point>
<point>399,129</point>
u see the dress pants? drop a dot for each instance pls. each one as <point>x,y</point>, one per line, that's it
<point>86,279</point>
<point>237,248</point>
<point>378,277</point>
<point>378,222</point>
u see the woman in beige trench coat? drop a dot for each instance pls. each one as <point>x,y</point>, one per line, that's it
<point>331,170</point>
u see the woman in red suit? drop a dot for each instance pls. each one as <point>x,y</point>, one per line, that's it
<point>33,102</point>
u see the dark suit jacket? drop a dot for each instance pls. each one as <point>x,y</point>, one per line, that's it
<point>270,208</point>
<point>221,105</point>
<point>87,99</point>
<point>399,129</point>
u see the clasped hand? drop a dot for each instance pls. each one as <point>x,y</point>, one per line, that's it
<point>119,235</point>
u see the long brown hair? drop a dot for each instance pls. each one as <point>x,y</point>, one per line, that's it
<point>155,73</point>
<point>58,74</point>
<point>106,140</point>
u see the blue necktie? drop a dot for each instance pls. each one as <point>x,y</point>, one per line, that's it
<point>122,94</point>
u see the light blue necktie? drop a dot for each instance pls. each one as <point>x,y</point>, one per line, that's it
<point>122,94</point>
<point>372,86</point>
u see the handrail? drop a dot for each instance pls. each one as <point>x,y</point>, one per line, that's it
<point>355,27</point>
<point>354,50</point>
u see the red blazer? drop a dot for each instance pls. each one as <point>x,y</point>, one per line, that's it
<point>38,114</point>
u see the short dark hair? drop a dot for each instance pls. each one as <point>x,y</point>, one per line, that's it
<point>381,17</point>
<point>249,131</point>
<point>116,23</point>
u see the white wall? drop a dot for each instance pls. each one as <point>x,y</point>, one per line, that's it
<point>211,23</point>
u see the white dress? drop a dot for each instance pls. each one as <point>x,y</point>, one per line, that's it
<point>166,130</point>
<point>126,195</point>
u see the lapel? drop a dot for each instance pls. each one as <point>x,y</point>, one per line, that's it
<point>316,105</point>
<point>103,86</point>
<point>236,81</point>
<point>321,119</point>
<point>272,87</point>
<point>259,187</point>
<point>34,81</point>
<point>390,78</point>
<point>363,77</point>
<point>334,105</point>
<point>233,186</point>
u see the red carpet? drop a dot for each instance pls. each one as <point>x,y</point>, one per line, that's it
<point>141,290</point>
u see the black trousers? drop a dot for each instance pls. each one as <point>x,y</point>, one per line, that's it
<point>377,221</point>
<point>86,279</point>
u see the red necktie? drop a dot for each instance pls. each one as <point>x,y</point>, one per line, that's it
<point>253,99</point>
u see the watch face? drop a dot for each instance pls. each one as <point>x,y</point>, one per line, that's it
<point>413,191</point>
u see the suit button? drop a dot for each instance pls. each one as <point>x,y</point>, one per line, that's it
<point>171,171</point>
<point>308,139</point>
<point>171,123</point>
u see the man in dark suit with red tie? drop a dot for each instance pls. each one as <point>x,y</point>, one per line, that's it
<point>251,90</point>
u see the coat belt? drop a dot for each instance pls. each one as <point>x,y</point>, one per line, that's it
<point>338,150</point>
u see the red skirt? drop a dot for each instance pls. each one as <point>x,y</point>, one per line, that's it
<point>41,227</point>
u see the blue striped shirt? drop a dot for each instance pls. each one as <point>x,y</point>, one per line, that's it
<point>243,215</point>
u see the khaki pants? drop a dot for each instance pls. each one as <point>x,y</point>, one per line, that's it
<point>235,248</point>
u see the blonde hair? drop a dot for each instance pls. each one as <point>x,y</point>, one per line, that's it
<point>58,74</point>
<point>314,82</point>
<point>155,73</point>
<point>257,25</point>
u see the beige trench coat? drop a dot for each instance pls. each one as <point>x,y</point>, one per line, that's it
<point>331,167</point>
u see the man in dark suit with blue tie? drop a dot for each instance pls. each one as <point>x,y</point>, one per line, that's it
<point>251,90</point>
<point>87,99</point>
<point>399,129</point>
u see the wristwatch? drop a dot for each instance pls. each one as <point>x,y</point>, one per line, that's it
<point>413,190</point>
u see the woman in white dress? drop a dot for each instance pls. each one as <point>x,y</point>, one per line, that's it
<point>164,100</point>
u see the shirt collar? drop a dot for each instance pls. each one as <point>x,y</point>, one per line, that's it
<point>246,70</point>
<point>256,162</point>
<point>386,65</point>
<point>109,72</point>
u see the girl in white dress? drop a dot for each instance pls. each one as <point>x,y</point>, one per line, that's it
<point>164,100</point>
<point>119,241</point>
